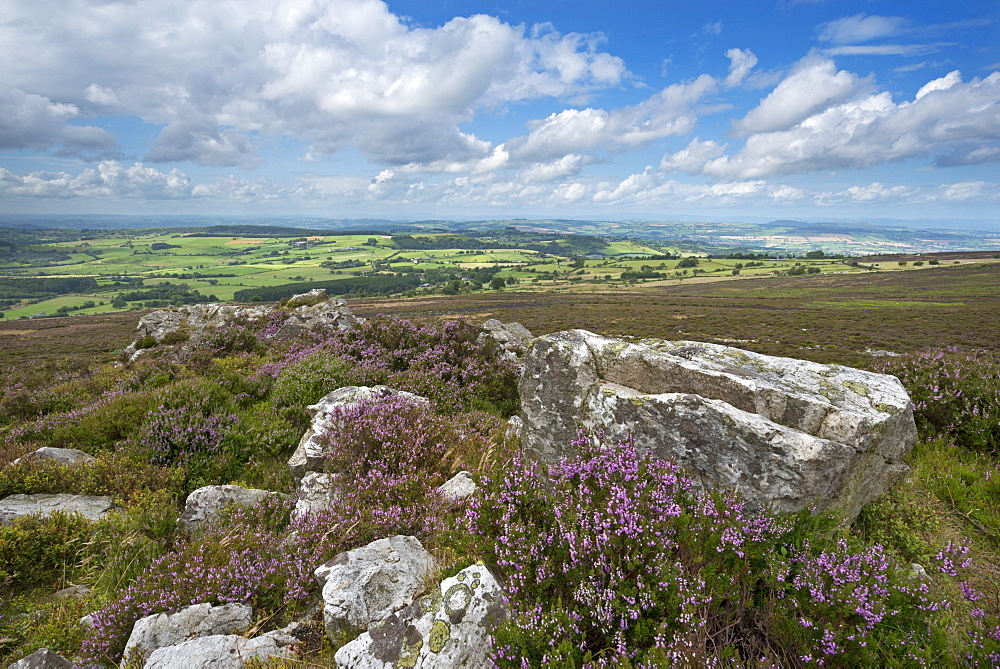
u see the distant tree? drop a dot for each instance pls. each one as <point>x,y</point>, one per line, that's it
<point>690,261</point>
<point>497,283</point>
<point>816,254</point>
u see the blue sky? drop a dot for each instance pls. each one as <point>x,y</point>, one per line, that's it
<point>542,108</point>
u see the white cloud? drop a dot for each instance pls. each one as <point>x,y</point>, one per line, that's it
<point>812,85</point>
<point>332,73</point>
<point>672,111</point>
<point>949,121</point>
<point>884,49</point>
<point>741,61</point>
<point>861,28</point>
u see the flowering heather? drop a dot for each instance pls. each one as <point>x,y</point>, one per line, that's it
<point>400,437</point>
<point>176,436</point>
<point>955,393</point>
<point>445,363</point>
<point>611,558</point>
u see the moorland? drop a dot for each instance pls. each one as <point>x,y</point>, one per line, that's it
<point>795,591</point>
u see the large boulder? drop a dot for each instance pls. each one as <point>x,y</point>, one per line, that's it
<point>204,504</point>
<point>310,455</point>
<point>308,311</point>
<point>450,627</point>
<point>364,585</point>
<point>170,629</point>
<point>787,434</point>
<point>91,507</point>
<point>228,651</point>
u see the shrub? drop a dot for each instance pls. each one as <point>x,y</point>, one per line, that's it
<point>612,559</point>
<point>956,394</point>
<point>37,550</point>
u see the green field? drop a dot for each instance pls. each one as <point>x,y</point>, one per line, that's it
<point>196,265</point>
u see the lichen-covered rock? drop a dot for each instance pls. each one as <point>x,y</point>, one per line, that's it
<point>789,434</point>
<point>308,311</point>
<point>310,455</point>
<point>225,651</point>
<point>170,629</point>
<point>43,658</point>
<point>91,507</point>
<point>204,504</point>
<point>458,488</point>
<point>317,492</point>
<point>364,585</point>
<point>450,627</point>
<point>66,456</point>
<point>513,338</point>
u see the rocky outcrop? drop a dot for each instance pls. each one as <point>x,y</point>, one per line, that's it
<point>513,338</point>
<point>450,627</point>
<point>204,504</point>
<point>308,311</point>
<point>227,651</point>
<point>458,488</point>
<point>784,433</point>
<point>364,585</point>
<point>66,456</point>
<point>89,506</point>
<point>170,629</point>
<point>310,455</point>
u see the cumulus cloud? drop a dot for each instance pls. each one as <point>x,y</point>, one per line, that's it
<point>332,73</point>
<point>29,121</point>
<point>950,121</point>
<point>812,85</point>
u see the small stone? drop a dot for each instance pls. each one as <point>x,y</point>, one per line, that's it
<point>458,488</point>
<point>67,456</point>
<point>43,658</point>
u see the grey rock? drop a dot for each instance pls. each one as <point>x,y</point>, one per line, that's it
<point>784,433</point>
<point>204,504</point>
<point>67,456</point>
<point>89,506</point>
<point>364,585</point>
<point>310,455</point>
<point>312,310</point>
<point>72,592</point>
<point>513,338</point>
<point>458,488</point>
<point>87,621</point>
<point>317,492</point>
<point>225,651</point>
<point>169,629</point>
<point>449,627</point>
<point>308,311</point>
<point>43,658</point>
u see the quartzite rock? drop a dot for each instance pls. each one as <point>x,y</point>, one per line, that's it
<point>787,433</point>
<point>310,455</point>
<point>204,504</point>
<point>364,585</point>
<point>170,629</point>
<point>89,506</point>
<point>450,627</point>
